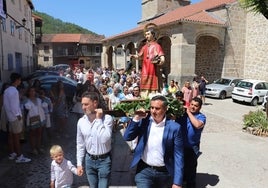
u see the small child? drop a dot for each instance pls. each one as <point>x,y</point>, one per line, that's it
<point>61,169</point>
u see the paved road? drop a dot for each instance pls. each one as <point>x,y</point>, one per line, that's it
<point>230,157</point>
<point>37,173</point>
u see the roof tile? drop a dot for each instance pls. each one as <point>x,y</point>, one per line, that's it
<point>66,38</point>
<point>203,17</point>
<point>72,38</point>
<point>190,13</point>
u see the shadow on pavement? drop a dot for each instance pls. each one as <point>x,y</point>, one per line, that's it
<point>36,174</point>
<point>205,179</point>
<point>121,174</point>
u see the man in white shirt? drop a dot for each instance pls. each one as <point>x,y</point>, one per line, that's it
<point>94,134</point>
<point>11,104</point>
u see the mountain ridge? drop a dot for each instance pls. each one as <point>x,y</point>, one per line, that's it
<point>53,25</point>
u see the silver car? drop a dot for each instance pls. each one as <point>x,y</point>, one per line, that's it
<point>221,88</point>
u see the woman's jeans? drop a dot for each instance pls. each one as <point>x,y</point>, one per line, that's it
<point>98,171</point>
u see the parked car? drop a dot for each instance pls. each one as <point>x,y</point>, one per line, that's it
<point>250,91</point>
<point>56,78</point>
<point>265,99</point>
<point>39,73</point>
<point>221,88</point>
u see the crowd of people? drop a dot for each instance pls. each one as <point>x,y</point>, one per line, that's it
<point>31,108</point>
<point>165,150</point>
<point>175,162</point>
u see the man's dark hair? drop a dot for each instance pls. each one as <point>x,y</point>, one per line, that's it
<point>91,95</point>
<point>179,94</point>
<point>138,87</point>
<point>14,76</point>
<point>129,66</point>
<point>197,99</point>
<point>161,98</point>
<point>152,31</point>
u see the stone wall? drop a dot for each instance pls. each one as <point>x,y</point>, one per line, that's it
<point>152,8</point>
<point>235,42</point>
<point>209,58</point>
<point>237,50</point>
<point>256,63</point>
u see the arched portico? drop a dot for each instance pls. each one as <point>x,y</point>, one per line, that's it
<point>209,57</point>
<point>164,70</point>
<point>210,52</point>
<point>190,50</point>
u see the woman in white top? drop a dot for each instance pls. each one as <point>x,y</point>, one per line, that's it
<point>35,120</point>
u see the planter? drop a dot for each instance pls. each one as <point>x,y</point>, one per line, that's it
<point>256,131</point>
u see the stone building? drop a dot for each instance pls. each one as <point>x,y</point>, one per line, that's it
<point>17,38</point>
<point>72,49</point>
<point>213,37</point>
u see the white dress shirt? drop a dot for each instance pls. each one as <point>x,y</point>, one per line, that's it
<point>93,137</point>
<point>12,103</point>
<point>62,173</point>
<point>153,154</point>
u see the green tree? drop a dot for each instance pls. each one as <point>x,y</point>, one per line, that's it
<point>53,26</point>
<point>256,6</point>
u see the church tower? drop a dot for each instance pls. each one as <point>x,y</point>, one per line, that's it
<point>153,8</point>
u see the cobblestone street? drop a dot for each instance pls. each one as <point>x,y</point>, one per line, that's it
<point>36,174</point>
<point>226,152</point>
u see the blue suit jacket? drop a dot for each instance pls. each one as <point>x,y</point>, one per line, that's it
<point>172,144</point>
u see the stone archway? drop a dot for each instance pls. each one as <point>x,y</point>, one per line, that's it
<point>131,50</point>
<point>209,57</point>
<point>164,70</point>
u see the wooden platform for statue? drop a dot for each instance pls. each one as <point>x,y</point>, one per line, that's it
<point>115,113</point>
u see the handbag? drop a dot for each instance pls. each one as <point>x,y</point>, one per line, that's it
<point>34,120</point>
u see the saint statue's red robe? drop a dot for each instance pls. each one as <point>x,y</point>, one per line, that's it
<point>149,79</point>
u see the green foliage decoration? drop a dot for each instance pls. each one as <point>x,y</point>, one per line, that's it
<point>130,107</point>
<point>175,108</point>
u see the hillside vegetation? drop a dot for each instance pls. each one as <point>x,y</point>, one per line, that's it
<point>54,26</point>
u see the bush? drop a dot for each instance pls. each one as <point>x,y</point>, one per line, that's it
<point>256,123</point>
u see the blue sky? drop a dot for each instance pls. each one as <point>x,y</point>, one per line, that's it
<point>104,17</point>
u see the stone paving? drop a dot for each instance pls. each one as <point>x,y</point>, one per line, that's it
<point>230,157</point>
<point>36,174</point>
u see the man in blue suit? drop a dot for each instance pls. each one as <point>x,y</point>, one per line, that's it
<point>159,152</point>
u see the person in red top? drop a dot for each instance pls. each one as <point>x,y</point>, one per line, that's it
<point>152,55</point>
<point>90,76</point>
<point>187,93</point>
